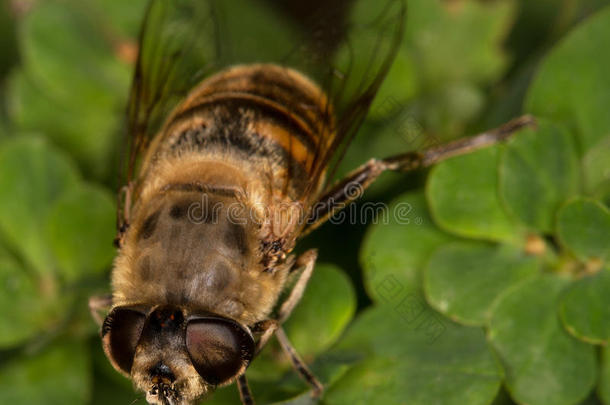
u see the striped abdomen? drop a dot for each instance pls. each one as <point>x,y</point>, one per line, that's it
<point>271,118</point>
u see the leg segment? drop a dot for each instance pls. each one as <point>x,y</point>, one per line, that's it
<point>99,304</point>
<point>273,326</point>
<point>352,187</point>
<point>307,260</point>
<point>123,213</point>
<point>268,327</point>
<point>298,364</point>
<point>244,390</point>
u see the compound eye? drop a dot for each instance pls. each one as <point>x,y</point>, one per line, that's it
<point>120,335</point>
<point>220,349</point>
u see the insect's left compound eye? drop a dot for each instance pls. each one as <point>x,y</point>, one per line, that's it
<point>120,335</point>
<point>220,349</point>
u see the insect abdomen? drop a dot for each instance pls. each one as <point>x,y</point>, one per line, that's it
<point>265,113</point>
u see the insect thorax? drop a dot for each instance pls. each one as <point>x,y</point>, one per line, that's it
<point>196,249</point>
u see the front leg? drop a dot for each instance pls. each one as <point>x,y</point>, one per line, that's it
<point>123,213</point>
<point>298,364</point>
<point>245,395</point>
<point>352,187</point>
<point>267,328</point>
<point>270,327</point>
<point>307,261</point>
<point>98,305</point>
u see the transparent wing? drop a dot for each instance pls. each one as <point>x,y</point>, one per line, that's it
<point>347,51</point>
<point>362,59</point>
<point>172,58</point>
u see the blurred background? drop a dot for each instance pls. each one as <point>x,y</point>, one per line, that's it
<point>65,69</point>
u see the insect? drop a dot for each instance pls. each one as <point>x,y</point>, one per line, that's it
<point>236,125</point>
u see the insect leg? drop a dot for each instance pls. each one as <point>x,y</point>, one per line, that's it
<point>351,188</point>
<point>298,364</point>
<point>244,390</point>
<point>268,327</point>
<point>123,213</point>
<point>99,304</point>
<point>307,260</point>
<point>271,326</point>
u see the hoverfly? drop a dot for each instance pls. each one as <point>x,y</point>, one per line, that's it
<point>236,124</point>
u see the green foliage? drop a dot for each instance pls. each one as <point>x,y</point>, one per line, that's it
<point>74,59</point>
<point>581,104</point>
<point>583,227</point>
<point>411,353</point>
<point>524,244</point>
<point>326,308</point>
<point>463,279</point>
<point>539,170</point>
<point>399,248</point>
<point>450,54</point>
<point>543,363</point>
<point>58,375</point>
<point>495,273</point>
<point>584,308</point>
<point>31,162</point>
<point>469,205</point>
<point>26,310</point>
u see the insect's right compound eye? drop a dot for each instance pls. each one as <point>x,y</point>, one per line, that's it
<point>220,349</point>
<point>120,335</point>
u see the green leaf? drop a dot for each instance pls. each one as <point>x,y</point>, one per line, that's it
<point>438,81</point>
<point>544,365</point>
<point>464,279</point>
<point>591,400</point>
<point>302,399</point>
<point>457,50</point>
<point>106,391</point>
<point>29,107</point>
<point>122,17</point>
<point>7,40</point>
<point>596,169</point>
<point>413,365</point>
<point>60,375</point>
<point>72,83</point>
<point>581,104</point>
<point>461,41</point>
<point>327,306</point>
<point>584,308</point>
<point>66,52</point>
<point>395,249</point>
<point>227,395</point>
<point>399,86</point>
<point>21,299</point>
<point>604,379</point>
<point>80,231</point>
<point>503,398</point>
<point>538,171</point>
<point>33,175</point>
<point>108,385</point>
<point>463,198</point>
<point>583,227</point>
<point>451,106</point>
